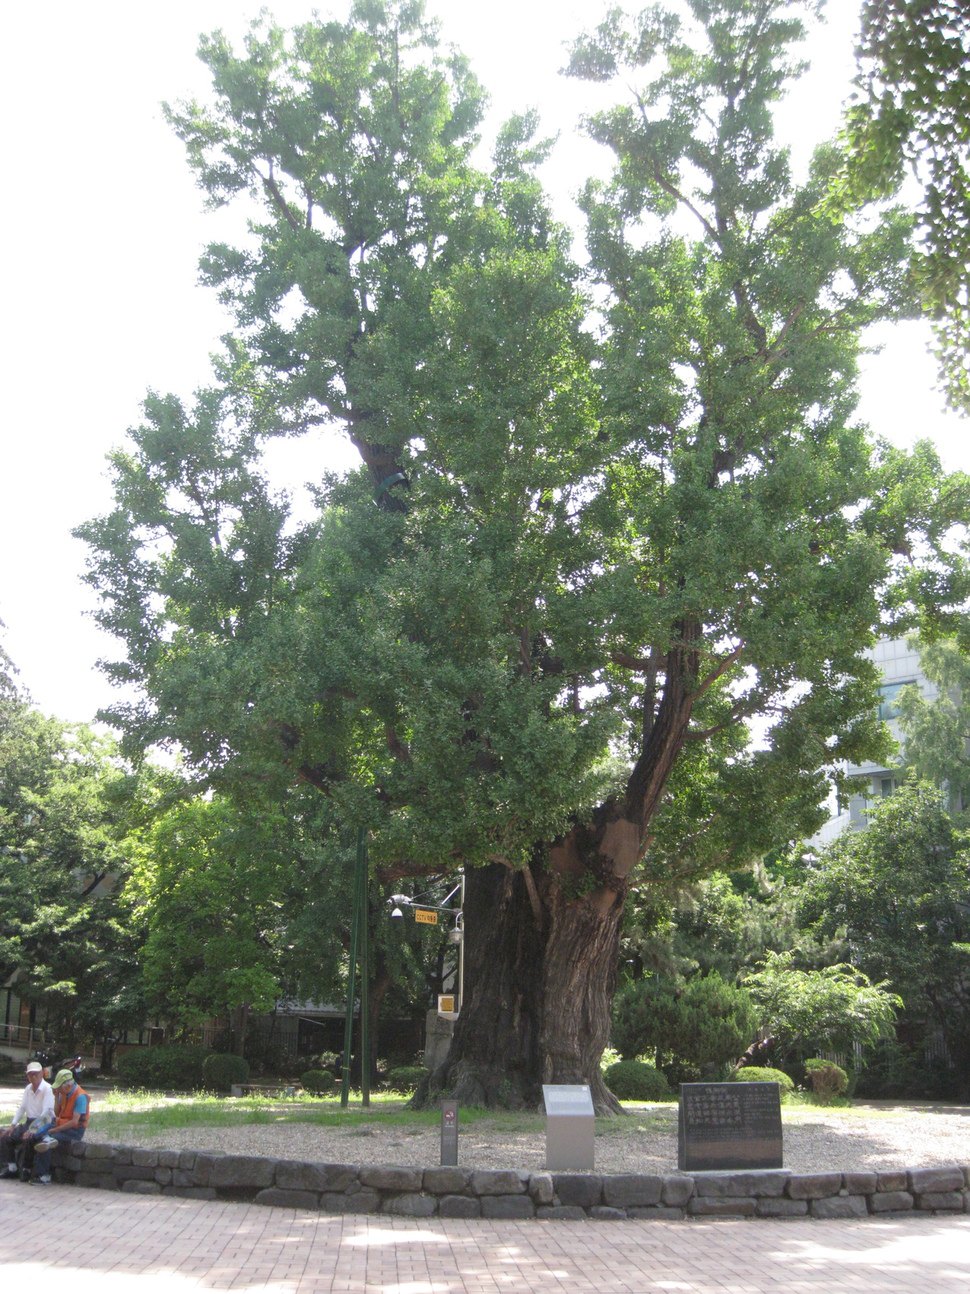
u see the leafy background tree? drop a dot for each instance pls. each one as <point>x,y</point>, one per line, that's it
<point>806,1012</point>
<point>68,938</point>
<point>910,116</point>
<point>900,893</point>
<point>936,746</point>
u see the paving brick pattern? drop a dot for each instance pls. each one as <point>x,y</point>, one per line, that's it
<point>90,1242</point>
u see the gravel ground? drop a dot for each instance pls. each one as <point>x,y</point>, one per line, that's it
<point>876,1136</point>
<point>872,1138</point>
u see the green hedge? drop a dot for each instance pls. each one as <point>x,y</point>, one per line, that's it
<point>405,1078</point>
<point>318,1081</point>
<point>222,1069</point>
<point>762,1074</point>
<point>172,1068</point>
<point>633,1080</point>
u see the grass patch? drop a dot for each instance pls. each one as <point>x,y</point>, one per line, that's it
<point>119,1112</point>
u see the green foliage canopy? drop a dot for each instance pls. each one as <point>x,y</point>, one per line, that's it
<point>830,1009</point>
<point>911,114</point>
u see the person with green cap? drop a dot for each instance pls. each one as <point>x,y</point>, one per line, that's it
<point>70,1122</point>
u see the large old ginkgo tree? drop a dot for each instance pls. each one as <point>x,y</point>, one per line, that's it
<point>607,524</point>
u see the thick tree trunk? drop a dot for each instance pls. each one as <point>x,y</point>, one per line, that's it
<point>540,969</point>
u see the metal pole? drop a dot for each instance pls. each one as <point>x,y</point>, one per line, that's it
<point>461,947</point>
<point>349,1014</point>
<point>364,972</point>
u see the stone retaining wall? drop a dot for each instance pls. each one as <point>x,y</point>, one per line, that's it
<point>489,1193</point>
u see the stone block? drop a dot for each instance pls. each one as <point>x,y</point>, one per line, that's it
<point>677,1190</point>
<point>662,1213</point>
<point>507,1206</point>
<point>890,1202</point>
<point>722,1206</point>
<point>813,1186</point>
<point>95,1150</point>
<point>498,1181</point>
<point>136,1186</point>
<point>935,1180</point>
<point>163,1176</point>
<point>859,1183</point>
<point>541,1189</point>
<point>71,1165</point>
<point>940,1201</point>
<point>391,1179</point>
<point>359,1202</point>
<point>96,1181</point>
<point>776,1207</point>
<point>191,1192</point>
<point>571,1188</point>
<point>459,1206</point>
<point>604,1213</point>
<point>144,1157</point>
<point>561,1212</point>
<point>187,1159</point>
<point>123,1154</point>
<point>291,1175</point>
<point>626,1189</point>
<point>287,1199</point>
<point>446,1181</point>
<point>181,1178</point>
<point>840,1206</point>
<point>134,1173</point>
<point>761,1182</point>
<point>202,1168</point>
<point>241,1171</point>
<point>411,1206</point>
<point>892,1181</point>
<point>169,1159</point>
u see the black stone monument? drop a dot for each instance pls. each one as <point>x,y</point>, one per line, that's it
<point>729,1125</point>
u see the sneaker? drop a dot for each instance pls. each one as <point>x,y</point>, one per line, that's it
<point>11,1169</point>
<point>45,1179</point>
<point>44,1146</point>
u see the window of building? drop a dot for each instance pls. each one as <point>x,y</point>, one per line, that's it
<point>889,698</point>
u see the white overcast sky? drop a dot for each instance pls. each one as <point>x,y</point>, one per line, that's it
<point>102,228</point>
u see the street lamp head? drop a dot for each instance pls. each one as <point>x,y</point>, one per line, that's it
<point>399,899</point>
<point>396,914</point>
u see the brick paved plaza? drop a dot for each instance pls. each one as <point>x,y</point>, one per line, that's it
<point>86,1241</point>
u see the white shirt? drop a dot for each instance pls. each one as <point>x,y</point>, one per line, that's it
<point>36,1104</point>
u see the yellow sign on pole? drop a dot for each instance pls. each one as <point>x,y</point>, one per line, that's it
<point>425,917</point>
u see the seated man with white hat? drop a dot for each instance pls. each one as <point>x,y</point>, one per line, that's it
<point>33,1116</point>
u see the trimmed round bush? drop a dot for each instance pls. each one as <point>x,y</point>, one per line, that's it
<point>633,1080</point>
<point>222,1069</point>
<point>828,1081</point>
<point>405,1078</point>
<point>318,1082</point>
<point>166,1068</point>
<point>762,1074</point>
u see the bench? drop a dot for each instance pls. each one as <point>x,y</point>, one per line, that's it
<point>265,1089</point>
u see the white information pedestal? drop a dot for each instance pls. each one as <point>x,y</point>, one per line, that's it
<point>570,1127</point>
